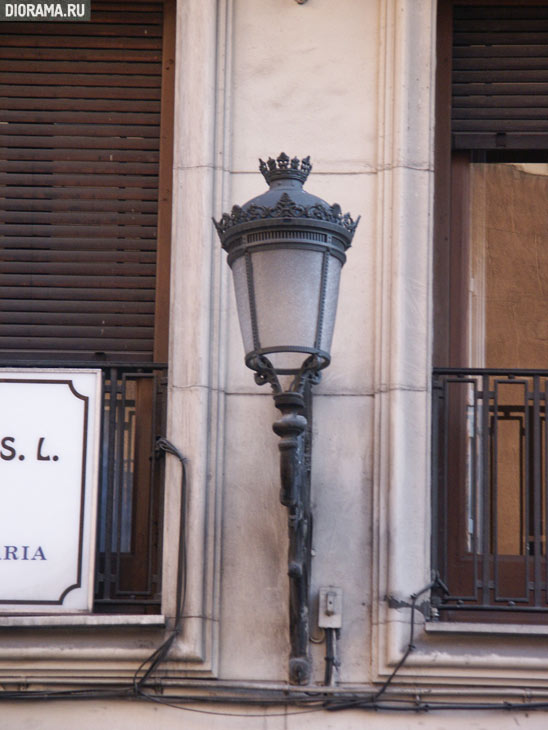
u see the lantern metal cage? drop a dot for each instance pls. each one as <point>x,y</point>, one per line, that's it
<point>286,249</point>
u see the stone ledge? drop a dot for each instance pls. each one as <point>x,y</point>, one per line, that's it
<point>462,627</point>
<point>84,620</point>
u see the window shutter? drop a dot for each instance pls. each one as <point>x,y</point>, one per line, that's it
<point>80,134</point>
<point>500,77</point>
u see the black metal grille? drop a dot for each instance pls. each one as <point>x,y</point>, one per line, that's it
<point>128,574</point>
<point>490,486</point>
<point>129,529</point>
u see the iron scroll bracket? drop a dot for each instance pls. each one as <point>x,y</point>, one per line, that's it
<point>294,429</point>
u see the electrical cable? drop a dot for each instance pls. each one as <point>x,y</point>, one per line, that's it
<point>283,699</point>
<point>248,696</point>
<point>163,445</point>
<point>331,662</point>
<point>410,647</point>
<point>171,703</point>
<point>411,644</point>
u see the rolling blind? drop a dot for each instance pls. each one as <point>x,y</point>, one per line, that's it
<point>80,137</point>
<point>500,77</point>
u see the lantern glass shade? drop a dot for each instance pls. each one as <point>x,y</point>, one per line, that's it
<point>287,300</point>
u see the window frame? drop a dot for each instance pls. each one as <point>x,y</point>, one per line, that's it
<point>482,655</point>
<point>70,649</point>
<point>127,580</point>
<point>451,291</point>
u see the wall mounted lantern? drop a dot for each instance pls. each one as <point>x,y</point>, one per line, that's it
<point>286,249</point>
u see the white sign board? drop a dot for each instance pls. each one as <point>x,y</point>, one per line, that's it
<point>49,444</point>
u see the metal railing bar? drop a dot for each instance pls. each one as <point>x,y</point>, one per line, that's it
<point>151,477</point>
<point>109,419</point>
<point>494,488</point>
<point>120,411</point>
<point>491,607</point>
<point>130,602</point>
<point>474,487</point>
<point>537,508</point>
<point>545,441</point>
<point>434,543</point>
<point>510,373</point>
<point>84,365</point>
<point>483,487</point>
<point>445,474</point>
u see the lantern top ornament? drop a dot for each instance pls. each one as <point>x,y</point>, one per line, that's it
<point>286,200</point>
<point>284,168</point>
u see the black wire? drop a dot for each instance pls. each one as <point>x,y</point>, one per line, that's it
<point>330,655</point>
<point>249,696</point>
<point>168,702</point>
<point>410,647</point>
<point>283,697</point>
<point>160,654</point>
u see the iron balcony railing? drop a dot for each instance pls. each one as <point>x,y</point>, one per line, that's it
<point>130,495</point>
<point>490,487</point>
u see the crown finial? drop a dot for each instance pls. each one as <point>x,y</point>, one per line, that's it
<point>284,167</point>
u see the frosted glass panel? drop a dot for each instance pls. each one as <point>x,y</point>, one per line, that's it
<point>242,301</point>
<point>287,290</point>
<point>331,297</point>
<point>287,360</point>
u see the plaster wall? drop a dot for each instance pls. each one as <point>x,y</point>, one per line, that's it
<point>303,81</point>
<point>129,716</point>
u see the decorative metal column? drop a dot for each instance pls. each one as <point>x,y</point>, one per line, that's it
<point>286,249</point>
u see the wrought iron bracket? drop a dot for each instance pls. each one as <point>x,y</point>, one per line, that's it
<point>295,495</point>
<point>293,428</point>
<point>266,373</point>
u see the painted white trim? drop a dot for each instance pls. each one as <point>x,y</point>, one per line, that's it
<point>403,272</point>
<point>47,622</point>
<point>465,627</point>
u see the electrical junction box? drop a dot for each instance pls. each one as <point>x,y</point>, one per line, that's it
<point>330,608</point>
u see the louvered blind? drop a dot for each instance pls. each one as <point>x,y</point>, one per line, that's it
<point>79,140</point>
<point>500,77</point>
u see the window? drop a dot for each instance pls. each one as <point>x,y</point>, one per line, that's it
<point>490,386</point>
<point>86,130</point>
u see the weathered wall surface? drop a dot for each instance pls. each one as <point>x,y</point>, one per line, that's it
<point>304,81</point>
<point>128,716</point>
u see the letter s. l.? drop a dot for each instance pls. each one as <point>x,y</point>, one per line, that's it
<point>39,455</point>
<point>9,452</point>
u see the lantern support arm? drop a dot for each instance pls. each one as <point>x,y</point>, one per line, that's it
<point>266,373</point>
<point>293,428</point>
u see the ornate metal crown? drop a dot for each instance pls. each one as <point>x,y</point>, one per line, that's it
<point>298,205</point>
<point>286,208</point>
<point>284,167</point>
